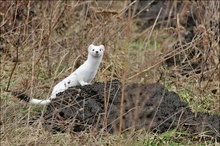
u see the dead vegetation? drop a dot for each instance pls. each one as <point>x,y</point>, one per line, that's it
<point>43,42</point>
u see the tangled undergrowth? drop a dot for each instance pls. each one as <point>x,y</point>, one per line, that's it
<point>175,44</point>
<point>94,108</point>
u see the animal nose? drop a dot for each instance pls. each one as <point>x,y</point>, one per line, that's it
<point>96,52</point>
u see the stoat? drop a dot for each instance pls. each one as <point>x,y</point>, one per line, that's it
<point>81,76</point>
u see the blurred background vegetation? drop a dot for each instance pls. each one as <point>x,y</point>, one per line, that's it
<point>175,43</point>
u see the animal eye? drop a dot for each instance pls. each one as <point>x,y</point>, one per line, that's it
<point>92,49</point>
<point>100,49</point>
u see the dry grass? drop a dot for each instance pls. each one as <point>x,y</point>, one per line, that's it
<point>43,42</point>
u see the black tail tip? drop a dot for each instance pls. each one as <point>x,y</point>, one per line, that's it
<point>21,95</point>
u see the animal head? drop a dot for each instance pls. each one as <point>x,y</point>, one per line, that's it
<point>96,51</point>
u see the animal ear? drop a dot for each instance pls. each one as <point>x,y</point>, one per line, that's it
<point>102,47</point>
<point>90,47</point>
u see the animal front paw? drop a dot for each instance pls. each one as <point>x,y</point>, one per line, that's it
<point>85,83</point>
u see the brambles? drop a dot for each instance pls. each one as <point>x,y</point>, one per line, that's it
<point>45,41</point>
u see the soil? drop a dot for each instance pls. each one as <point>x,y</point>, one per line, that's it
<point>190,59</point>
<point>148,106</point>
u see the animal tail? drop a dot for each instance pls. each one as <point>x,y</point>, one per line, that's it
<point>26,98</point>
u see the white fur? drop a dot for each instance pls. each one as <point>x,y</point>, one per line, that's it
<point>81,76</point>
